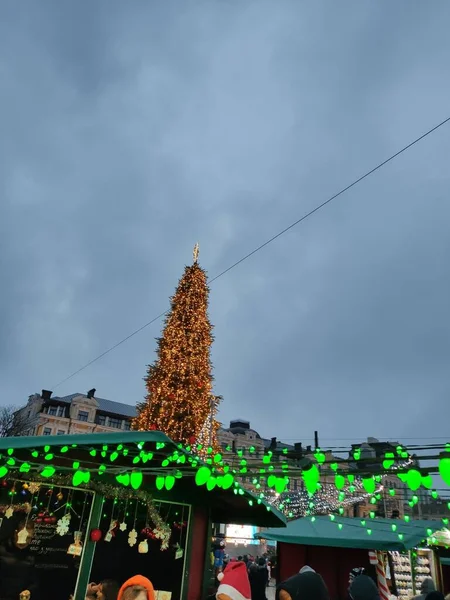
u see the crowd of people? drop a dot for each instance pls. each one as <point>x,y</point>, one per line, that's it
<point>247,578</point>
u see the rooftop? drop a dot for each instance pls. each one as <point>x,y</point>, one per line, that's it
<point>108,406</point>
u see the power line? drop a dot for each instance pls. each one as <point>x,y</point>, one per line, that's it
<point>266,243</point>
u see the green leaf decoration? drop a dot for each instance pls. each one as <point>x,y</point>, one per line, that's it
<point>169,482</point>
<point>320,457</point>
<point>311,478</point>
<point>280,485</point>
<point>136,479</point>
<point>350,478</point>
<point>427,481</point>
<point>271,481</point>
<point>444,470</point>
<point>3,471</point>
<point>369,484</point>
<point>202,475</point>
<point>334,467</point>
<point>123,479</point>
<point>211,484</point>
<point>414,479</point>
<point>80,477</point>
<point>388,460</point>
<point>160,482</point>
<point>339,482</point>
<point>394,527</point>
<point>48,472</point>
<point>25,467</point>
<point>228,481</point>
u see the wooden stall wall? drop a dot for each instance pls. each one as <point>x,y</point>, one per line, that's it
<point>200,545</point>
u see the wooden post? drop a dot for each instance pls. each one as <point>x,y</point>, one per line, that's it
<point>89,549</point>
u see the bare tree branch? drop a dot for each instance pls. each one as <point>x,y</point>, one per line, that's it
<point>11,422</point>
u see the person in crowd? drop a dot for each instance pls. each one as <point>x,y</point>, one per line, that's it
<point>234,583</point>
<point>137,588</point>
<point>435,596</point>
<point>426,588</point>
<point>363,588</point>
<point>303,586</point>
<point>307,568</point>
<point>258,576</point>
<point>105,590</point>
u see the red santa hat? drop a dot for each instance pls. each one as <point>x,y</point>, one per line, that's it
<point>234,582</point>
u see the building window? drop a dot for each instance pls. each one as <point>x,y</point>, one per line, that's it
<point>47,431</point>
<point>52,410</point>
<point>116,423</point>
<point>100,420</point>
<point>83,415</point>
<point>127,425</point>
<point>61,411</point>
<point>61,432</point>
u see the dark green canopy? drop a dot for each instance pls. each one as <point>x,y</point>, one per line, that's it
<point>370,534</point>
<point>108,456</point>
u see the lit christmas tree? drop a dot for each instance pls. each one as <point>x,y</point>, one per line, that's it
<point>179,398</point>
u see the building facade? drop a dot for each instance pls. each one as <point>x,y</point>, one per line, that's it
<point>45,414</point>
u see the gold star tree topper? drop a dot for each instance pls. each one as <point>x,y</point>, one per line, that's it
<point>196,252</point>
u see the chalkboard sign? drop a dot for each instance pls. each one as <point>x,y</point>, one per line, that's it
<point>33,553</point>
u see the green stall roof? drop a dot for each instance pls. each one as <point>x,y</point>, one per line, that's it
<point>353,534</point>
<point>445,561</point>
<point>62,451</point>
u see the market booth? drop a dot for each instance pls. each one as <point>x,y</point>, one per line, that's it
<point>333,546</point>
<point>82,508</point>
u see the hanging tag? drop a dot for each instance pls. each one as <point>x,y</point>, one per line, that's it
<point>76,548</point>
<point>179,553</point>
<point>108,537</point>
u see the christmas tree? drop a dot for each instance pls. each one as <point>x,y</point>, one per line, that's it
<point>179,399</point>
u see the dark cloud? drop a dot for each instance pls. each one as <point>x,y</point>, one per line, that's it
<point>130,133</point>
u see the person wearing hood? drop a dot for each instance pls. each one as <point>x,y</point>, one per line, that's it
<point>435,596</point>
<point>426,588</point>
<point>137,588</point>
<point>363,588</point>
<point>303,586</point>
<point>307,569</point>
<point>258,576</point>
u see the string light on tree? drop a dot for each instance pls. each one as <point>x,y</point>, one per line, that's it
<point>179,383</point>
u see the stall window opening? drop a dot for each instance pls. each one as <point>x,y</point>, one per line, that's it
<point>83,415</point>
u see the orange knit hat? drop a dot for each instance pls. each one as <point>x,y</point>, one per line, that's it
<point>138,580</point>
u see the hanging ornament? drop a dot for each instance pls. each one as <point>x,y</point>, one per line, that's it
<point>33,488</point>
<point>132,538</point>
<point>123,526</point>
<point>23,537</point>
<point>111,530</point>
<point>143,547</point>
<point>25,595</point>
<point>178,551</point>
<point>76,548</point>
<point>59,496</point>
<point>9,512</point>
<point>96,535</point>
<point>62,527</point>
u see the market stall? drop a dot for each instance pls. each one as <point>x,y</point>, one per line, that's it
<point>82,508</point>
<point>333,546</point>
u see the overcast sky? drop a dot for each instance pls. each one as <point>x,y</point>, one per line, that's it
<point>132,130</point>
